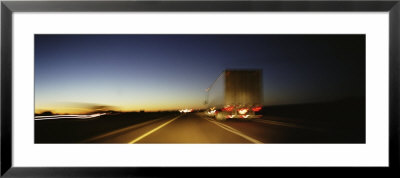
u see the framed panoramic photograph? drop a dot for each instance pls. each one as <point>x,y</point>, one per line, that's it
<point>154,88</point>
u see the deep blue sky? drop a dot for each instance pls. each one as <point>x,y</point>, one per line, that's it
<point>156,72</point>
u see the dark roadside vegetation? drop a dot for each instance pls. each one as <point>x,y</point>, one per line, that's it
<point>343,119</point>
<point>77,130</point>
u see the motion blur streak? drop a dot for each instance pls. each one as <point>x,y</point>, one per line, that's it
<point>151,131</point>
<point>83,116</point>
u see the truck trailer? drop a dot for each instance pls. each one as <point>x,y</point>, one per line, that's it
<point>235,94</point>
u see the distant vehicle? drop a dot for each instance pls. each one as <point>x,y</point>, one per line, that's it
<point>185,110</point>
<point>235,94</point>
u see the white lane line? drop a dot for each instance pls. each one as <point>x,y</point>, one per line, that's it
<point>223,125</point>
<point>227,128</point>
<point>286,124</point>
<point>152,131</point>
<point>278,123</point>
<point>120,130</point>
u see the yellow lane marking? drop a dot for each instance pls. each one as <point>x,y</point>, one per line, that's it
<point>120,130</point>
<point>230,129</point>
<point>152,131</point>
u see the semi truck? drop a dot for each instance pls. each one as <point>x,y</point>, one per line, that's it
<point>235,94</point>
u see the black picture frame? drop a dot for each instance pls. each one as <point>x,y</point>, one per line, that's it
<point>8,7</point>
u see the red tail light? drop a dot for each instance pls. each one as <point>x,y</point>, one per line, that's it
<point>229,108</point>
<point>255,109</point>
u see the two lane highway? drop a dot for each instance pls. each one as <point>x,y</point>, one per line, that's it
<point>197,128</point>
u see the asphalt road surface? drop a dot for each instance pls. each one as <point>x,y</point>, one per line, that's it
<point>198,128</point>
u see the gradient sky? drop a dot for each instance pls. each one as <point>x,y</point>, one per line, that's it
<point>161,72</point>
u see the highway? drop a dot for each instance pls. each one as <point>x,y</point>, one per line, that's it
<point>198,128</point>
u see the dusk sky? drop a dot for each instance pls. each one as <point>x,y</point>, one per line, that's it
<point>163,72</point>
